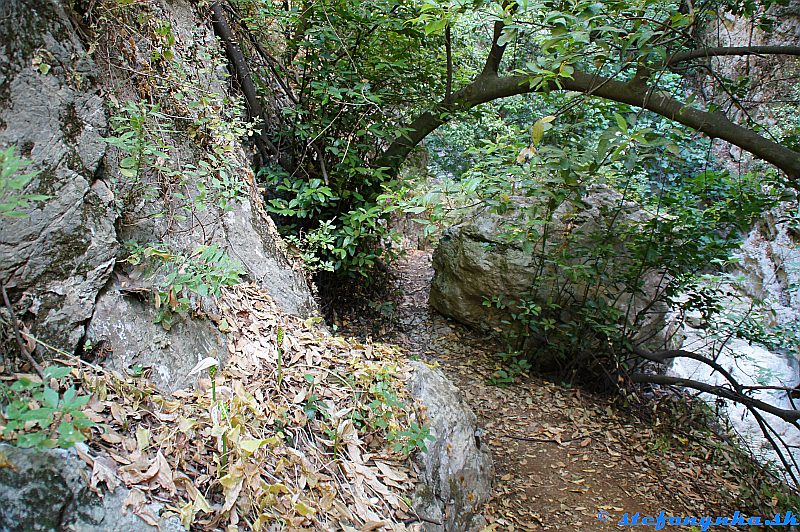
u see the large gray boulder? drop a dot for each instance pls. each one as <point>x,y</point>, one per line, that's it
<point>477,260</point>
<point>456,471</point>
<point>54,262</point>
<point>48,490</point>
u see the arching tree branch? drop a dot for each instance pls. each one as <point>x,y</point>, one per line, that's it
<point>790,416</point>
<point>488,86</point>
<point>718,51</point>
<point>663,356</point>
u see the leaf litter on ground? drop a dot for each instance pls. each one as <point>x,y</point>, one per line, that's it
<point>278,436</point>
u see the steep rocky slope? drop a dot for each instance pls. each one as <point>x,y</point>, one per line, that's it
<point>61,265</point>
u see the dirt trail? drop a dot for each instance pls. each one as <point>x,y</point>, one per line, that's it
<point>562,457</point>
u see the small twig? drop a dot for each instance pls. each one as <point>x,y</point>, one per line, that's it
<point>421,518</point>
<point>15,326</point>
<point>321,158</point>
<point>543,440</point>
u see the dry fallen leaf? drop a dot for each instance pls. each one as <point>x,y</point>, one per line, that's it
<point>104,470</point>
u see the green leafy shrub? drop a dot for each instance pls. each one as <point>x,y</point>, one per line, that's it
<point>13,202</point>
<point>180,278</point>
<point>141,131</point>
<point>351,234</point>
<point>45,414</point>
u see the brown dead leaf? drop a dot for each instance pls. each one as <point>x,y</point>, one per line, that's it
<point>164,477</point>
<point>141,471</point>
<point>104,470</point>
<point>137,502</point>
<point>373,525</point>
<point>391,473</point>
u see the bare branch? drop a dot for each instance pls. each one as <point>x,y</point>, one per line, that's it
<point>495,56</point>
<point>768,432</point>
<point>663,356</point>
<point>790,416</point>
<point>448,47</point>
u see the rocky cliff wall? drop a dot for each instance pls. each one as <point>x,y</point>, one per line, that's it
<point>152,76</point>
<point>770,256</point>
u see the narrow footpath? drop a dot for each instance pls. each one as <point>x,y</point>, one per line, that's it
<point>564,460</point>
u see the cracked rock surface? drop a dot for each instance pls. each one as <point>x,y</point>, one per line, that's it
<point>456,471</point>
<point>47,490</point>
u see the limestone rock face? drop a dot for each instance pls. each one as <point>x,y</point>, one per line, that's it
<point>46,490</point>
<point>770,261</point>
<point>169,355</point>
<point>253,239</point>
<point>56,261</point>
<point>242,229</point>
<point>772,77</point>
<point>475,261</point>
<point>456,472</point>
<point>770,253</point>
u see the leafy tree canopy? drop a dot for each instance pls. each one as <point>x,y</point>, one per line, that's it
<point>364,82</point>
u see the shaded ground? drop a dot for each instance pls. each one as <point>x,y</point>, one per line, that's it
<point>562,457</point>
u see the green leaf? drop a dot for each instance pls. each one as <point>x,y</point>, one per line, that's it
<point>76,403</point>
<point>435,26</point>
<point>537,131</point>
<point>68,435</point>
<point>25,383</point>
<point>50,397</point>
<point>507,36</point>
<point>32,439</point>
<point>621,123</point>
<point>43,416</point>
<point>56,372</point>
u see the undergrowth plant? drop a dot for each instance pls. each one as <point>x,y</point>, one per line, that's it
<point>44,413</point>
<point>13,201</point>
<point>182,280</point>
<point>141,133</point>
<point>694,427</point>
<point>384,413</point>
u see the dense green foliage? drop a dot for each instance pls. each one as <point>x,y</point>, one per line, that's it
<point>344,82</point>
<point>350,66</point>
<point>353,75</point>
<point>675,221</point>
